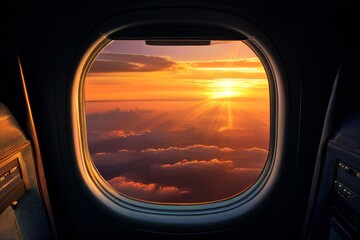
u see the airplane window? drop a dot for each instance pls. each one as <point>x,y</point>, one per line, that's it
<point>178,124</point>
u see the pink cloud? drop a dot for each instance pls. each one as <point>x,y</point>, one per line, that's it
<point>256,149</point>
<point>145,191</point>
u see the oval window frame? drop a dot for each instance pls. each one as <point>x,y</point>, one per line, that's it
<point>178,218</point>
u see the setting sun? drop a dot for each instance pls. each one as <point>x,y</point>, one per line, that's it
<point>224,89</point>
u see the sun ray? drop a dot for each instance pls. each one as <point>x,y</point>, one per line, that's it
<point>230,119</point>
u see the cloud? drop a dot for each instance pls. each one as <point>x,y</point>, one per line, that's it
<point>202,165</point>
<point>247,63</point>
<point>144,129</point>
<point>124,161</point>
<point>175,154</point>
<point>233,131</point>
<point>257,150</point>
<point>245,169</point>
<point>188,152</point>
<point>104,135</point>
<point>190,148</point>
<point>145,191</point>
<point>147,155</point>
<point>129,120</point>
<point>139,142</point>
<point>168,174</point>
<point>185,141</point>
<point>140,129</point>
<point>119,159</point>
<point>150,161</point>
<point>186,182</point>
<point>118,62</point>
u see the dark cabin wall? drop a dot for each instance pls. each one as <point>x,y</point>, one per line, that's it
<point>11,93</point>
<point>48,35</point>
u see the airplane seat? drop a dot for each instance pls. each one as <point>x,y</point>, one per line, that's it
<point>336,210</point>
<point>22,215</point>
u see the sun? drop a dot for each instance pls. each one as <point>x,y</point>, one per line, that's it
<point>222,89</point>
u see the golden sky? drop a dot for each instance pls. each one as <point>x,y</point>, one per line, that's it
<point>238,73</point>
<point>178,124</point>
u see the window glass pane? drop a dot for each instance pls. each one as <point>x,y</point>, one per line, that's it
<point>178,124</point>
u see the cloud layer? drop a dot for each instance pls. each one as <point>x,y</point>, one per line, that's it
<point>143,191</point>
<point>153,156</point>
<point>118,62</point>
<point>142,129</point>
<point>190,174</point>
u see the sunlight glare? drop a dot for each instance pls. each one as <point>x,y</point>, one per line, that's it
<point>225,89</point>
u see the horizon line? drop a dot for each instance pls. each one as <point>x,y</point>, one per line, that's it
<point>232,99</point>
<point>147,100</point>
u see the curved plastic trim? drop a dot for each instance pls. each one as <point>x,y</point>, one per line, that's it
<point>179,218</point>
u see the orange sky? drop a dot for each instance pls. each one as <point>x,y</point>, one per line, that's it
<point>209,104</point>
<point>232,75</point>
